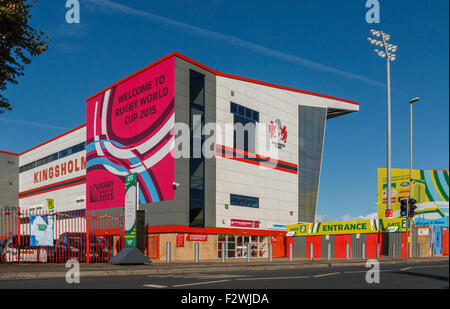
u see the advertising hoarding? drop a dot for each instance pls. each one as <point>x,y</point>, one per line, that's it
<point>346,227</point>
<point>130,130</point>
<point>130,210</point>
<point>430,188</point>
<point>41,230</point>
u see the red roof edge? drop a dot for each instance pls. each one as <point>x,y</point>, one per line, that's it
<point>177,54</point>
<point>9,153</point>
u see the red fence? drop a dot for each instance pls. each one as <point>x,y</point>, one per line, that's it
<point>41,236</point>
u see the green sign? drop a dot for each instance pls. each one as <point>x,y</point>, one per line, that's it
<point>130,210</point>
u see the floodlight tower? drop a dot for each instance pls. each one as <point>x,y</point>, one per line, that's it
<point>388,53</point>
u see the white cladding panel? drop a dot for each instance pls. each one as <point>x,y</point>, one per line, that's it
<point>59,172</point>
<point>277,190</point>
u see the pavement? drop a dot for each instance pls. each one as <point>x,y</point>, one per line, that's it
<point>49,271</point>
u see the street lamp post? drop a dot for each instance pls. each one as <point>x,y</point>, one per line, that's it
<point>410,167</point>
<point>388,53</point>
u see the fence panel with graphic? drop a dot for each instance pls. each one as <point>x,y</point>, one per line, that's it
<point>51,237</point>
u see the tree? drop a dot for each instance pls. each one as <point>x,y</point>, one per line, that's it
<point>18,42</point>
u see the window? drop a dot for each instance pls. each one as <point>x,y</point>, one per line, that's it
<point>57,155</point>
<point>311,130</point>
<point>71,150</point>
<point>27,167</point>
<point>48,159</point>
<point>244,135</point>
<point>197,88</point>
<point>245,201</point>
<point>197,160</point>
<point>235,246</point>
<point>10,162</point>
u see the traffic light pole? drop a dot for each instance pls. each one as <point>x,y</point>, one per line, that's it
<point>407,229</point>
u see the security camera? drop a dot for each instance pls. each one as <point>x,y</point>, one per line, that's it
<point>176,185</point>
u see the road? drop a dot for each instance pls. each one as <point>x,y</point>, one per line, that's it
<point>430,275</point>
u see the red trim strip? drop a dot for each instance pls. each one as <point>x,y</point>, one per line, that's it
<point>9,153</point>
<point>223,75</point>
<point>106,231</point>
<point>134,74</point>
<point>54,189</point>
<point>54,184</point>
<point>261,82</point>
<point>51,140</point>
<point>250,154</point>
<point>256,163</point>
<point>211,230</point>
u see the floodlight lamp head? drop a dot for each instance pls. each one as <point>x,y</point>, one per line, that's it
<point>414,100</point>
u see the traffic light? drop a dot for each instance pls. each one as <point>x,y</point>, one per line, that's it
<point>412,207</point>
<point>403,207</point>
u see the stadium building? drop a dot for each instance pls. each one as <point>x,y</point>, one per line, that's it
<point>253,185</point>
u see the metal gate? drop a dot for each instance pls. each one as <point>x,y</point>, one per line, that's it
<point>393,245</point>
<point>358,246</point>
<point>327,243</point>
<point>300,247</point>
<point>41,236</point>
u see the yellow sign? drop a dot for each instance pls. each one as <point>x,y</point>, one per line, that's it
<point>347,227</point>
<point>428,187</point>
<point>50,204</point>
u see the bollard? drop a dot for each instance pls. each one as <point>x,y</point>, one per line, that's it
<point>419,246</point>
<point>270,252</point>
<point>393,251</point>
<point>329,251</point>
<point>224,252</point>
<point>249,252</point>
<point>378,251</point>
<point>196,252</point>
<point>168,252</point>
<point>311,251</point>
<point>347,255</point>
<point>290,252</point>
<point>363,250</point>
<point>432,250</point>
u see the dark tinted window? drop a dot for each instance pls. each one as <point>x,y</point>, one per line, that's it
<point>243,200</point>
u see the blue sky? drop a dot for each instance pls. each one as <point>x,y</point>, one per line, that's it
<point>318,46</point>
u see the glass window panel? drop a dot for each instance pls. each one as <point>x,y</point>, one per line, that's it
<point>311,130</point>
<point>241,110</point>
<point>197,88</point>
<point>233,108</point>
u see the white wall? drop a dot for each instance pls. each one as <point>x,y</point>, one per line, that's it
<point>277,190</point>
<point>66,198</point>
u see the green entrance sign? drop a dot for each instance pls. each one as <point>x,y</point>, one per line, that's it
<point>130,210</point>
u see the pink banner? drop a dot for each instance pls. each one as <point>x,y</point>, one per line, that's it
<point>244,223</point>
<point>130,130</point>
<point>197,237</point>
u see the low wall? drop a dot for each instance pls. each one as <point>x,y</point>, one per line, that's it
<point>207,248</point>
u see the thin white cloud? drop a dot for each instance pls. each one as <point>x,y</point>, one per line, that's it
<point>321,218</point>
<point>30,123</point>
<point>65,30</point>
<point>113,6</point>
<point>348,217</point>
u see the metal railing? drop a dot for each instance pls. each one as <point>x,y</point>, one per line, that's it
<point>54,237</point>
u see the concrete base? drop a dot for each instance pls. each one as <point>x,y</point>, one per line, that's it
<point>130,256</point>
